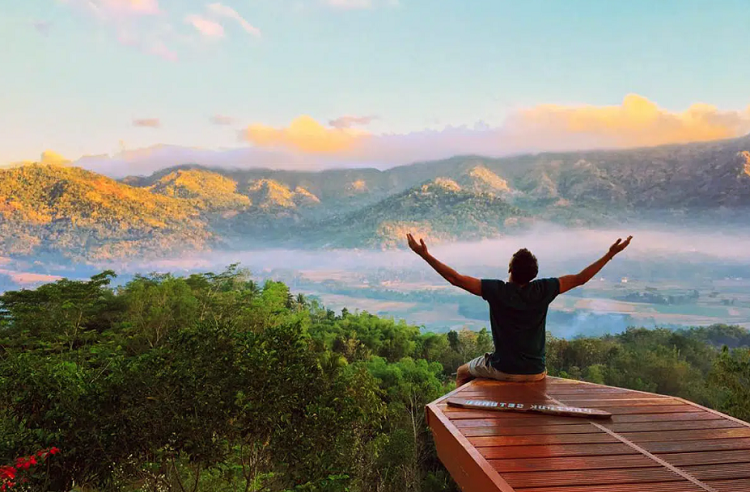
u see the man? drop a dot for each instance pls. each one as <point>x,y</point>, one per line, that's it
<point>518,312</point>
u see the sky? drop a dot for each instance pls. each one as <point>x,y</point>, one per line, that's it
<point>369,81</point>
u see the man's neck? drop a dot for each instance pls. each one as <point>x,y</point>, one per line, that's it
<point>510,280</point>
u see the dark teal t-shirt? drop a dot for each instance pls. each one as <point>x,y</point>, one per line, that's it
<point>518,316</point>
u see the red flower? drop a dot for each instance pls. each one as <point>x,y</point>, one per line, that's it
<point>32,461</point>
<point>7,472</point>
<point>54,450</point>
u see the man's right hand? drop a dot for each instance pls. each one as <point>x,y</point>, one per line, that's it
<point>619,246</point>
<point>418,247</point>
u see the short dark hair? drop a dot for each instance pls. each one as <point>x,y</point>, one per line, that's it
<point>523,267</point>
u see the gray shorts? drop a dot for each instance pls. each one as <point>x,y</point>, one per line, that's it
<point>481,368</point>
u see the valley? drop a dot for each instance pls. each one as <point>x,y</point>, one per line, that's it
<point>338,235</point>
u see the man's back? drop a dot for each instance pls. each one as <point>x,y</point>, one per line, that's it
<point>518,311</point>
<point>518,317</point>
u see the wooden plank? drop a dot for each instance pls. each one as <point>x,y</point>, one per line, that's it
<point>681,408</point>
<point>613,396</point>
<point>519,418</point>
<point>632,487</point>
<point>696,446</point>
<point>670,417</point>
<point>457,413</point>
<point>590,391</point>
<point>621,403</point>
<point>706,457</point>
<point>715,412</point>
<point>563,392</point>
<point>717,472</point>
<point>522,421</point>
<point>500,429</point>
<point>603,477</point>
<point>548,381</point>
<point>588,401</point>
<point>646,410</point>
<point>596,386</point>
<point>573,463</point>
<point>465,464</point>
<point>542,440</point>
<point>686,435</point>
<point>670,425</point>
<point>550,451</point>
<point>741,485</point>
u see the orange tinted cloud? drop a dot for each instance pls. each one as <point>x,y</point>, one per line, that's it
<point>304,134</point>
<point>636,122</point>
<point>26,278</point>
<point>147,122</point>
<point>205,26</point>
<point>51,157</point>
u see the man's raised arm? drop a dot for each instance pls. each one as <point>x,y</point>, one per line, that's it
<point>471,284</point>
<point>572,281</point>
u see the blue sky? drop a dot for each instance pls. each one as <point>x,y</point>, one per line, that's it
<point>77,78</point>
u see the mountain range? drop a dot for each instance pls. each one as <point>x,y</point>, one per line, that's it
<point>56,209</point>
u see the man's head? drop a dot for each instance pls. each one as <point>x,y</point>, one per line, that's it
<point>523,267</point>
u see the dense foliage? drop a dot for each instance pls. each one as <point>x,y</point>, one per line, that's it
<point>60,210</point>
<point>216,383</point>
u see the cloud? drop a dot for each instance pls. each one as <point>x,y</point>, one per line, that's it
<point>359,4</point>
<point>43,27</point>
<point>220,119</point>
<point>158,48</point>
<point>308,144</point>
<point>220,10</point>
<point>29,278</point>
<point>150,45</point>
<point>349,121</point>
<point>117,8</point>
<point>304,134</point>
<point>349,4</point>
<point>206,27</point>
<point>51,157</point>
<point>635,122</point>
<point>147,122</point>
<point>139,24</point>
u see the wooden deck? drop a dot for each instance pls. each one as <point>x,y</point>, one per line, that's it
<point>652,443</point>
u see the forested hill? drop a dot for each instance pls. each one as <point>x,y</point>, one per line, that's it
<point>62,211</point>
<point>216,383</point>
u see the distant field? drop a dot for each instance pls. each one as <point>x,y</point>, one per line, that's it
<point>431,303</point>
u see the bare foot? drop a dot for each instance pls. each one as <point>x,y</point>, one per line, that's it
<point>463,375</point>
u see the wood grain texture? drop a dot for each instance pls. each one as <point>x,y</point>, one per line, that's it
<point>652,443</point>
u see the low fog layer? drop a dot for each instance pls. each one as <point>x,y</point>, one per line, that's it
<point>658,263</point>
<point>554,247</point>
